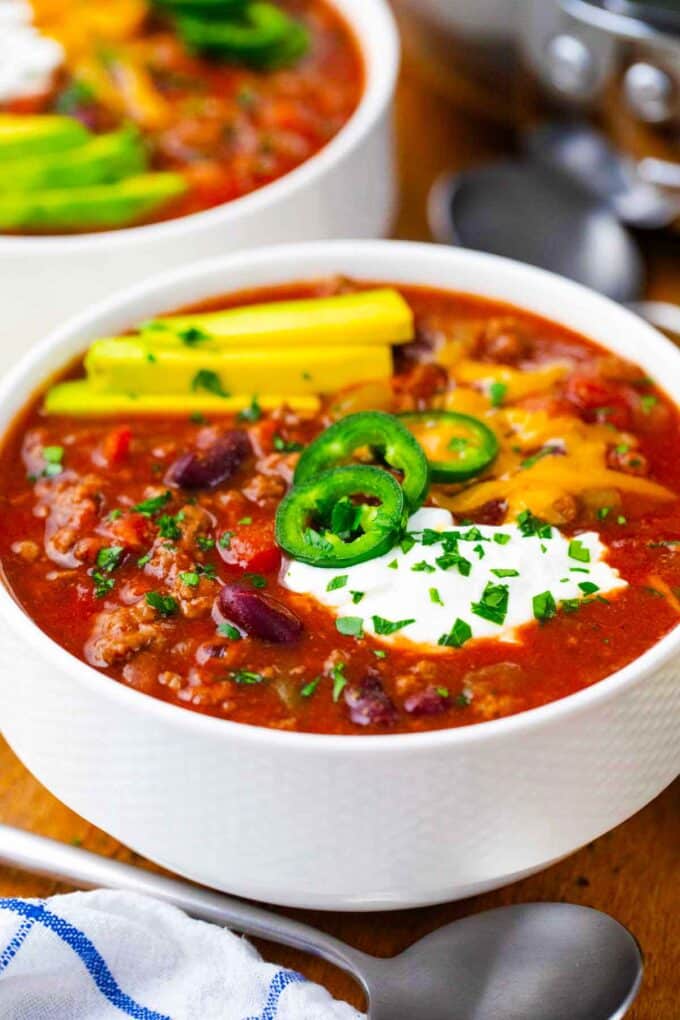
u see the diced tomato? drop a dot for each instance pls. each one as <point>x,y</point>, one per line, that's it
<point>251,547</point>
<point>600,401</point>
<point>132,531</point>
<point>116,445</point>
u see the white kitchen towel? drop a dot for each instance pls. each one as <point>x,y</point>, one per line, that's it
<point>108,955</point>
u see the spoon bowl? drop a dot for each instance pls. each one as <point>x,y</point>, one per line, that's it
<point>552,961</point>
<point>535,961</point>
<point>525,211</point>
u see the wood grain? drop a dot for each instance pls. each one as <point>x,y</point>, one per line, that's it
<point>632,872</point>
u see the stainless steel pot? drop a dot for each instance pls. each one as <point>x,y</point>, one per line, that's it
<point>618,60</point>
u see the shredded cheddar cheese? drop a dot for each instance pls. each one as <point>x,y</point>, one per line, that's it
<point>545,461</point>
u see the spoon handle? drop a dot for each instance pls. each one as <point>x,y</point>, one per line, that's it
<point>86,870</point>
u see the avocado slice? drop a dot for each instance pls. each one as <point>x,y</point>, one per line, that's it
<point>32,135</point>
<point>377,316</point>
<point>81,398</point>
<point>100,160</point>
<point>125,364</point>
<point>98,207</point>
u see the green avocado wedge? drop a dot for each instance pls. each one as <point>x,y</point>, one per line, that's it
<point>23,136</point>
<point>100,160</point>
<point>99,207</point>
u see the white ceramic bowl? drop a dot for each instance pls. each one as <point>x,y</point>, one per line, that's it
<point>342,822</point>
<point>348,189</point>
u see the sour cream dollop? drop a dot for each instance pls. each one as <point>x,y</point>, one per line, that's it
<point>28,60</point>
<point>503,579</point>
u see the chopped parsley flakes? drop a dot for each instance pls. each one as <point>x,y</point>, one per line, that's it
<point>493,604</point>
<point>165,605</point>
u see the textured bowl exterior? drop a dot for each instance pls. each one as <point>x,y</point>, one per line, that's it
<point>346,190</point>
<point>352,823</point>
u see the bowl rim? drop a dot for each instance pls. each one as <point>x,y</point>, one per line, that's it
<point>18,379</point>
<point>377,37</point>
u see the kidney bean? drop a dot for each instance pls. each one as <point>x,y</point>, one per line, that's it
<point>208,468</point>
<point>368,703</point>
<point>427,702</point>
<point>258,614</point>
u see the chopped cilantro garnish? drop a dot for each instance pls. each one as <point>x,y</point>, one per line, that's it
<point>407,543</point>
<point>357,596</point>
<point>393,565</point>
<point>143,560</point>
<point>168,526</point>
<point>502,538</point>
<point>497,392</point>
<point>205,542</point>
<point>505,572</point>
<point>246,676</point>
<point>423,567</point>
<point>621,519</point>
<point>345,518</point>
<point>547,451</point>
<point>648,401</point>
<point>102,584</point>
<point>53,454</point>
<point>530,525</point>
<point>245,520</point>
<point>196,418</point>
<point>115,515</point>
<point>350,626</point>
<point>454,559</point>
<point>257,580</point>
<point>578,551</point>
<point>443,692</point>
<point>149,507</point>
<point>603,512</point>
<point>286,445</point>
<point>460,633</point>
<point>224,541</point>
<point>435,597</point>
<point>192,336</point>
<point>108,559</point>
<point>493,604</point>
<point>206,379</point>
<point>380,653</point>
<point>228,630</point>
<point>190,578</point>
<point>383,626</point>
<point>308,689</point>
<point>588,587</point>
<point>252,413</point>
<point>337,582</point>
<point>339,680</point>
<point>163,604</point>
<point>544,606</point>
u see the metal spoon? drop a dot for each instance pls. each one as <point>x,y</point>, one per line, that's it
<point>537,961</point>
<point>528,212</point>
<point>585,156</point>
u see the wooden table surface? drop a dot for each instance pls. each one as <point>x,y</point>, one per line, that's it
<point>632,872</point>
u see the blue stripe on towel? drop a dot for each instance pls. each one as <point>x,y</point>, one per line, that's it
<point>280,981</point>
<point>89,955</point>
<point>15,944</point>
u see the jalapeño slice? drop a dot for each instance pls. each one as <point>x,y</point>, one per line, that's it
<point>457,446</point>
<point>329,522</point>
<point>383,434</point>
